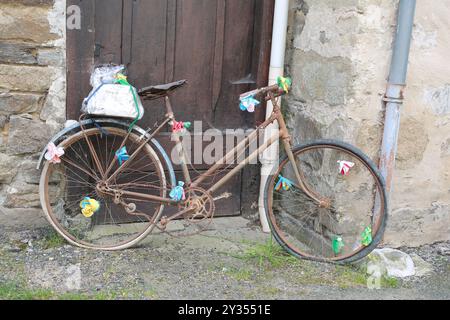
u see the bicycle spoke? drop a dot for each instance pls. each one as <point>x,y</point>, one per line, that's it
<point>329,232</point>
<point>76,178</point>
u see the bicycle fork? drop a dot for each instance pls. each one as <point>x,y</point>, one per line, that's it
<point>287,144</point>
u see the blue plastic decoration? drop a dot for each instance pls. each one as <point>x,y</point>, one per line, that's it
<point>283,184</point>
<point>122,155</point>
<point>249,103</point>
<point>177,194</point>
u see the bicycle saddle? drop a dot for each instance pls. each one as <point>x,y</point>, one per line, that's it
<point>158,91</point>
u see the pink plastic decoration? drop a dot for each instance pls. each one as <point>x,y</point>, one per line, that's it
<point>345,166</point>
<point>177,126</point>
<point>54,153</point>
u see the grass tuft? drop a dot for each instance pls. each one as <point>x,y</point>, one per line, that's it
<point>268,255</point>
<point>13,291</point>
<point>16,291</point>
<point>240,274</point>
<point>52,240</point>
<point>390,282</point>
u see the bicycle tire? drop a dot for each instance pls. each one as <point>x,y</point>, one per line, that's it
<point>44,189</point>
<point>377,237</point>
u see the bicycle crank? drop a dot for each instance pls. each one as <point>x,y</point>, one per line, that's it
<point>117,197</point>
<point>195,220</point>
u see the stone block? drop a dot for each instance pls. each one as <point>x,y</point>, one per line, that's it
<point>20,53</point>
<point>50,57</point>
<point>29,2</point>
<point>321,79</point>
<point>21,218</point>
<point>27,136</point>
<point>54,106</point>
<point>8,168</point>
<point>26,78</point>
<point>26,23</point>
<point>29,54</point>
<point>413,227</point>
<point>19,103</point>
<point>22,195</point>
<point>28,172</point>
<point>335,35</point>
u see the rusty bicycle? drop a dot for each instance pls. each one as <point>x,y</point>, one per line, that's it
<point>109,189</point>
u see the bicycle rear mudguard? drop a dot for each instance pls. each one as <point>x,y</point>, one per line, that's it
<point>89,124</point>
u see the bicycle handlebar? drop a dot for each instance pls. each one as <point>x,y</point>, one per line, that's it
<point>275,89</point>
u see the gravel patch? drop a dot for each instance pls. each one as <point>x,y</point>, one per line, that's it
<point>228,262</point>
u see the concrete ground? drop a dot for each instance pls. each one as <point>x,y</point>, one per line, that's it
<point>232,261</point>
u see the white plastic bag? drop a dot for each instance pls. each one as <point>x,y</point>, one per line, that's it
<point>105,74</point>
<point>113,100</point>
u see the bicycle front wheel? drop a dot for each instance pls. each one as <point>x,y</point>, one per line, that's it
<point>70,188</point>
<point>337,212</point>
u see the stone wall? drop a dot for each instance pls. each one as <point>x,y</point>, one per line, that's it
<point>32,94</point>
<point>339,57</point>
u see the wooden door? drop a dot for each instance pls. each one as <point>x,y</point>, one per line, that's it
<point>222,47</point>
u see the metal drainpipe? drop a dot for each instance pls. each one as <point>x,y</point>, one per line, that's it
<point>270,157</point>
<point>395,88</point>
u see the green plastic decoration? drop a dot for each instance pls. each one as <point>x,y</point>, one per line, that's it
<point>122,79</point>
<point>338,245</point>
<point>284,83</point>
<point>367,237</point>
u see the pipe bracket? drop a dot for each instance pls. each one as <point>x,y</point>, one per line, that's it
<point>393,100</point>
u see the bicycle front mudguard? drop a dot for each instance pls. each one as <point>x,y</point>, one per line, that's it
<point>88,124</point>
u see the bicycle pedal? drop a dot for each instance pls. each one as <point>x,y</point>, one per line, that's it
<point>164,222</point>
<point>162,225</point>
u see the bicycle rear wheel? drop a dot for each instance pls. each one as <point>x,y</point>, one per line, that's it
<point>339,213</point>
<point>66,185</point>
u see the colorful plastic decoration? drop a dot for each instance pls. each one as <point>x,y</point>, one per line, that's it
<point>338,245</point>
<point>180,126</point>
<point>123,80</point>
<point>89,207</point>
<point>177,194</point>
<point>283,184</point>
<point>249,103</point>
<point>367,237</point>
<point>345,166</point>
<point>54,154</point>
<point>284,83</point>
<point>122,155</point>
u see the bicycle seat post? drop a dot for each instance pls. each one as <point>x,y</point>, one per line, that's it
<point>169,107</point>
<point>178,142</point>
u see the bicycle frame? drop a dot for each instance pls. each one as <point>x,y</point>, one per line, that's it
<point>281,134</point>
